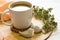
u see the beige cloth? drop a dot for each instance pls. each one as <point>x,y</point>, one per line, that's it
<point>1,36</point>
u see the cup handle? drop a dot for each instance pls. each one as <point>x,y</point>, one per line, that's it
<point>2,17</point>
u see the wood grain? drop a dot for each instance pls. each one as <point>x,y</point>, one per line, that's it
<point>9,35</point>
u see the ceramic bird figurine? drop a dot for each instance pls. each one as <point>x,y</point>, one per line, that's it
<point>37,29</point>
<point>27,33</point>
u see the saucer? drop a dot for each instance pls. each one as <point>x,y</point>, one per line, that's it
<point>17,30</point>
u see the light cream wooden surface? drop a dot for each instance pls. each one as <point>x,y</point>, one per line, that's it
<point>9,35</point>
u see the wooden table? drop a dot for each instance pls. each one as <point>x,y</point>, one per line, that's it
<point>9,35</point>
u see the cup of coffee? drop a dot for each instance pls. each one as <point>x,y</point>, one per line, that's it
<point>20,14</point>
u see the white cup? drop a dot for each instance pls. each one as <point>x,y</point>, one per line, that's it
<point>20,19</point>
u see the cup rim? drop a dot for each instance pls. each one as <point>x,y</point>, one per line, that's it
<point>20,1</point>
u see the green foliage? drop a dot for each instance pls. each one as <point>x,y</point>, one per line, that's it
<point>48,19</point>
